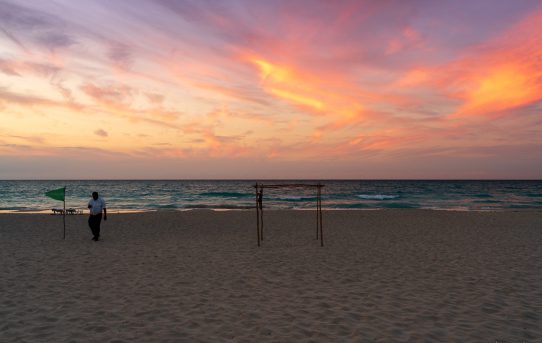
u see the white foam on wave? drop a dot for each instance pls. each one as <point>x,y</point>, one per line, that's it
<point>296,198</point>
<point>377,196</point>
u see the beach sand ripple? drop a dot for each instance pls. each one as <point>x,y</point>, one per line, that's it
<point>198,276</point>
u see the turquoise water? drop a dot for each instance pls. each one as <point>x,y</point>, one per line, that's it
<point>337,194</point>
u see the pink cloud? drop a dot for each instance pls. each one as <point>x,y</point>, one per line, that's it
<point>101,133</point>
<point>499,75</point>
<point>349,80</point>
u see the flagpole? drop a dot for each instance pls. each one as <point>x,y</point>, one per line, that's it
<point>64,219</point>
<point>60,195</point>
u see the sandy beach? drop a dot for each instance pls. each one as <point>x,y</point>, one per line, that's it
<point>198,276</point>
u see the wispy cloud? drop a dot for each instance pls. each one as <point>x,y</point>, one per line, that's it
<point>349,82</point>
<point>101,133</point>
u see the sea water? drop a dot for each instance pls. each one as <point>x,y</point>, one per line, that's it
<point>149,195</point>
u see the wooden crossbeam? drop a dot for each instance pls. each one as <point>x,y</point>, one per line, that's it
<point>259,206</point>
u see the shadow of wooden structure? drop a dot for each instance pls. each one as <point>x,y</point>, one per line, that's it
<point>259,206</point>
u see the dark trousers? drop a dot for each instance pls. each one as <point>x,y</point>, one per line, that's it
<point>94,223</point>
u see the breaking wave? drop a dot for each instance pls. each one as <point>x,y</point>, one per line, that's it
<point>377,197</point>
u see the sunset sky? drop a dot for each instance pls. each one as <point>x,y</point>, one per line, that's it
<point>94,89</point>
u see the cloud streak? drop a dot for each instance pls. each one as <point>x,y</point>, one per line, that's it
<point>350,83</point>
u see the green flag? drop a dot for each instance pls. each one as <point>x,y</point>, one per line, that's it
<point>57,194</point>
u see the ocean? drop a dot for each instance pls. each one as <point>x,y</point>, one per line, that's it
<point>157,195</point>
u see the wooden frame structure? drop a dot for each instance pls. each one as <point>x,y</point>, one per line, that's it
<point>259,206</point>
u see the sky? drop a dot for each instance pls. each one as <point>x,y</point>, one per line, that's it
<point>167,89</point>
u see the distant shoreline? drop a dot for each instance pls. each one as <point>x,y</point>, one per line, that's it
<point>278,180</point>
<point>266,210</point>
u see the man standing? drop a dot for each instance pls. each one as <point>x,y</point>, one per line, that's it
<point>96,205</point>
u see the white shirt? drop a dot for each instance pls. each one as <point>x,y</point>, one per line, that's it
<point>97,206</point>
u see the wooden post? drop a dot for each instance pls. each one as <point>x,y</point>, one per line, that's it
<point>320,207</point>
<point>64,219</point>
<point>261,212</point>
<point>317,211</point>
<point>257,215</point>
<point>259,208</point>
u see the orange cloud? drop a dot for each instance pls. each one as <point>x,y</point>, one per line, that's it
<point>288,84</point>
<point>117,100</point>
<point>414,77</point>
<point>231,92</point>
<point>322,94</point>
<point>507,73</point>
<point>504,86</point>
